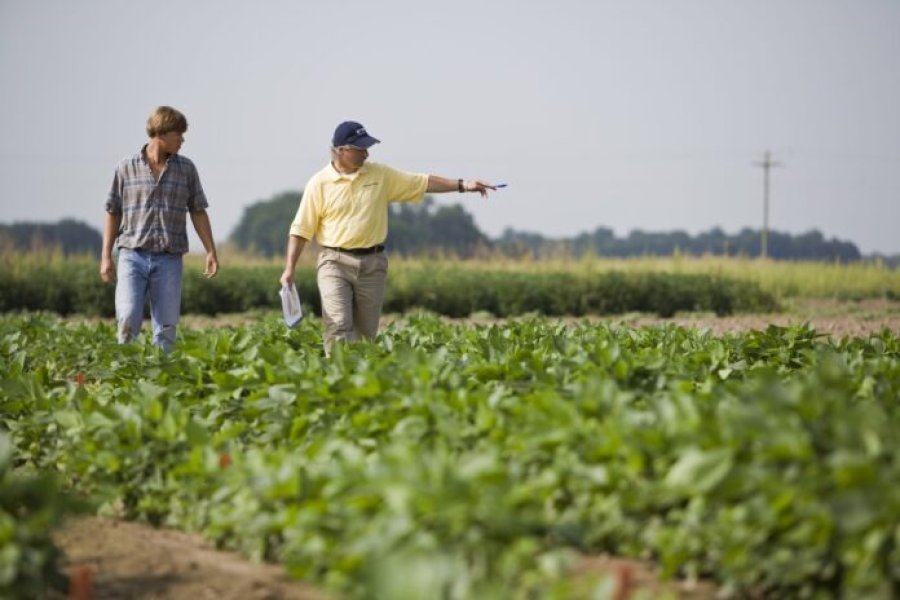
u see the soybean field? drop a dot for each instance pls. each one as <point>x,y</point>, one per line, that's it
<point>450,460</point>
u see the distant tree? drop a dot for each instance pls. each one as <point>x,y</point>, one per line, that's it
<point>407,227</point>
<point>428,228</point>
<point>811,245</point>
<point>519,244</point>
<point>713,241</point>
<point>412,228</point>
<point>600,242</point>
<point>263,229</point>
<point>67,236</point>
<point>453,230</point>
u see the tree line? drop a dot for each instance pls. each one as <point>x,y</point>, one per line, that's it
<point>433,229</point>
<point>430,228</point>
<point>414,229</point>
<point>67,236</point>
<point>811,245</point>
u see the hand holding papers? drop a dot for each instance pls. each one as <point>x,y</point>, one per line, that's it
<point>290,305</point>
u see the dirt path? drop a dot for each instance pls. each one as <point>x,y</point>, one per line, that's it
<point>133,561</point>
<point>832,317</point>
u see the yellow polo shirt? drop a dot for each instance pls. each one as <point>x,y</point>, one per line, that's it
<point>351,211</point>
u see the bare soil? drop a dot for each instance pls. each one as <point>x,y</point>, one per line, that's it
<point>109,559</point>
<point>113,559</point>
<point>134,561</point>
<point>833,318</point>
<point>837,319</point>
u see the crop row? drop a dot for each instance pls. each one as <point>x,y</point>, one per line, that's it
<point>782,278</point>
<point>73,287</point>
<point>480,460</point>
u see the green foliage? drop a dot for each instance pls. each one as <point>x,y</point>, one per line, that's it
<point>30,506</point>
<point>264,227</point>
<point>414,229</point>
<point>811,245</point>
<point>63,286</point>
<point>458,292</point>
<point>481,458</point>
<point>427,229</point>
<point>68,236</point>
<point>71,286</point>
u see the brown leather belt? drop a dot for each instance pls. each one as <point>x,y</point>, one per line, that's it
<point>358,251</point>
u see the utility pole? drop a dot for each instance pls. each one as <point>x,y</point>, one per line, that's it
<point>767,164</point>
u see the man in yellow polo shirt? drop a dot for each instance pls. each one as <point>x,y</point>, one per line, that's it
<point>345,207</point>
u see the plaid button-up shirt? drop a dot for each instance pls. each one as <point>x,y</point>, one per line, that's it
<point>154,212</point>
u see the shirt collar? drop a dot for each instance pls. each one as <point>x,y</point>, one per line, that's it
<point>337,175</point>
<point>143,155</point>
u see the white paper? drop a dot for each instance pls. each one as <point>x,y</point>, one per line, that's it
<point>290,305</point>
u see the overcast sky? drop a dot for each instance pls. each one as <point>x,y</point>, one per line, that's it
<point>628,114</point>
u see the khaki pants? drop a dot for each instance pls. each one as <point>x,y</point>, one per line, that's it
<point>352,291</point>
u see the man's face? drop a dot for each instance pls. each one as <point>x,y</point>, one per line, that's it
<point>352,157</point>
<point>171,142</point>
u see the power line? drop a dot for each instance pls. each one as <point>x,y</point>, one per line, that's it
<point>767,164</point>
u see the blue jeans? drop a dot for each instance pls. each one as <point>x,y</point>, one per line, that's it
<point>141,273</point>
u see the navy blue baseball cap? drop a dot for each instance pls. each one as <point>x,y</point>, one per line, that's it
<point>351,133</point>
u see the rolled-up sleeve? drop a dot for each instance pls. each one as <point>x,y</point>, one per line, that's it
<point>114,198</point>
<point>196,199</point>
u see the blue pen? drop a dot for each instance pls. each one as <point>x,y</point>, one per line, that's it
<point>500,185</point>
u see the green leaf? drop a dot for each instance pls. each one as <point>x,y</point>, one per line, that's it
<point>697,472</point>
<point>197,434</point>
<point>68,419</point>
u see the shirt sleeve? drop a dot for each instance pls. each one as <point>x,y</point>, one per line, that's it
<point>197,199</point>
<point>306,222</point>
<point>114,198</point>
<point>401,186</point>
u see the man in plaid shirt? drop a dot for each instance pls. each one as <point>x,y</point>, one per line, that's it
<point>146,217</point>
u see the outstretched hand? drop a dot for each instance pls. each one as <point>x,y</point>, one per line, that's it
<point>479,186</point>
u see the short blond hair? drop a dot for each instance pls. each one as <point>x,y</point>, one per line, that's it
<point>165,119</point>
